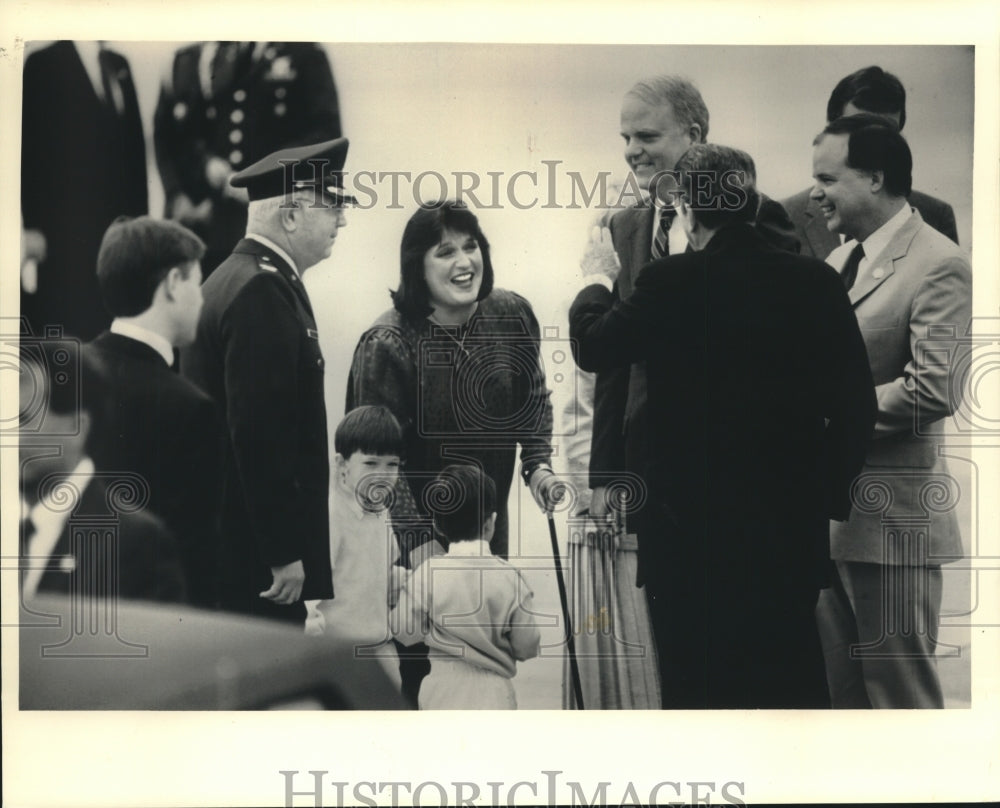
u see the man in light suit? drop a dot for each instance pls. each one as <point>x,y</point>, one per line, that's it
<point>764,407</point>
<point>661,117</point>
<point>873,90</point>
<point>911,289</point>
<point>257,354</point>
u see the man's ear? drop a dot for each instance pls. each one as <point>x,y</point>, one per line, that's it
<point>171,281</point>
<point>686,214</point>
<point>877,180</point>
<point>288,214</point>
<point>489,526</point>
<point>341,464</point>
<point>694,132</point>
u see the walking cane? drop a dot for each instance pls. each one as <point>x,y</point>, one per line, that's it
<point>574,668</point>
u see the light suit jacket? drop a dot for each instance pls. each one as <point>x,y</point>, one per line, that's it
<point>913,304</point>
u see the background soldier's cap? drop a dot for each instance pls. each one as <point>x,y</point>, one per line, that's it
<point>319,165</point>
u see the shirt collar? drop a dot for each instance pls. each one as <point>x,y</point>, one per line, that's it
<point>127,328</point>
<point>479,547</point>
<point>89,52</point>
<point>272,246</point>
<point>880,239</point>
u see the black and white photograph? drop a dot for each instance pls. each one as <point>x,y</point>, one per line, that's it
<point>427,364</point>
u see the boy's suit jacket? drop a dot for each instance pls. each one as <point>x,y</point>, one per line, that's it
<point>158,424</point>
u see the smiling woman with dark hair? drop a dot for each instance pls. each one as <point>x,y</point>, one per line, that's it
<point>458,363</point>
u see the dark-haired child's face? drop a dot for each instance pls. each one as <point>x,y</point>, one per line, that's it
<point>370,478</point>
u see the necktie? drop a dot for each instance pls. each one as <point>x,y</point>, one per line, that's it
<point>113,95</point>
<point>849,273</point>
<point>661,242</point>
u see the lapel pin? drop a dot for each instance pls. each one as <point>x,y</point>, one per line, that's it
<point>878,273</point>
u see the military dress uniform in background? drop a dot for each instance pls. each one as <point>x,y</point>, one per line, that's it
<point>238,102</point>
<point>83,164</point>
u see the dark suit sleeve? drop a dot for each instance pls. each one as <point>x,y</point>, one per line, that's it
<point>149,561</point>
<point>198,507</point>
<point>605,334</point>
<point>607,445</point>
<point>851,407</point>
<point>261,377</point>
<point>180,154</point>
<point>776,226</point>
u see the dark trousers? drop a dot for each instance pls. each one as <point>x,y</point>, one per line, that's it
<point>723,644</point>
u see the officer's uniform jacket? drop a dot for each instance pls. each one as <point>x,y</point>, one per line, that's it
<point>258,355</point>
<point>275,95</point>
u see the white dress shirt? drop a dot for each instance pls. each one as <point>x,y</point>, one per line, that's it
<point>874,245</point>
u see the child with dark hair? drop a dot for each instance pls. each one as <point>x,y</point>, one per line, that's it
<point>473,609</point>
<point>363,551</point>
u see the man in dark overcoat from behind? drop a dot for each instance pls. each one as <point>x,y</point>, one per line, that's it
<point>761,407</point>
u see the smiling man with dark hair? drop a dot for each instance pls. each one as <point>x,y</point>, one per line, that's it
<point>911,289</point>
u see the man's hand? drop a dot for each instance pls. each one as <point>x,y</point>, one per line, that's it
<point>183,210</point>
<point>601,516</point>
<point>287,586</point>
<point>600,511</point>
<point>217,173</point>
<point>600,257</point>
<point>547,489</point>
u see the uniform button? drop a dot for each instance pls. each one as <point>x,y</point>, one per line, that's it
<point>236,136</point>
<point>235,157</point>
<point>240,96</point>
<point>319,363</point>
<point>280,92</point>
<point>236,116</point>
<point>180,111</point>
<point>280,109</point>
<point>210,113</point>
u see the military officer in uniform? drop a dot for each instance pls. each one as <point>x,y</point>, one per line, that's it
<point>224,106</point>
<point>257,353</point>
